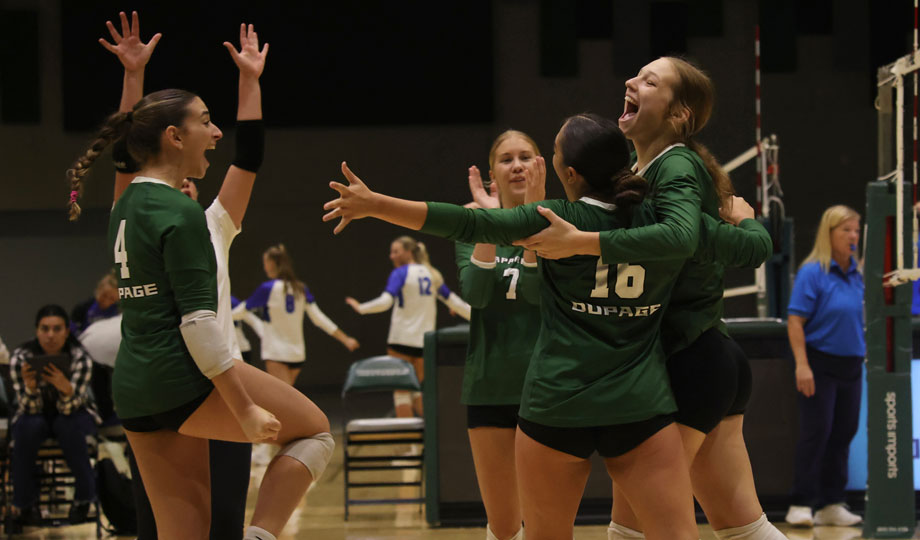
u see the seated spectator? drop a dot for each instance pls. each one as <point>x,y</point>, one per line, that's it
<point>51,403</point>
<point>103,305</point>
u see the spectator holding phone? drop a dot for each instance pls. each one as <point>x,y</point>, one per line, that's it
<point>51,402</point>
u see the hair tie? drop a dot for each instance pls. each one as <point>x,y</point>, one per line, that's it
<point>73,196</point>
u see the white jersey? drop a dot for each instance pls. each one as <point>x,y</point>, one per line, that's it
<point>250,319</point>
<point>412,291</point>
<point>223,231</point>
<point>282,314</point>
<point>102,339</point>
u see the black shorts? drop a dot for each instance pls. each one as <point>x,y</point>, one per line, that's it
<point>171,419</point>
<point>414,352</point>
<point>499,416</point>
<point>608,441</point>
<point>711,379</point>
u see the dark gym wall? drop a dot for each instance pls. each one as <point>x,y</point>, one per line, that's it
<point>816,99</point>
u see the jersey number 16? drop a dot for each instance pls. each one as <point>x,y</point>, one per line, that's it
<point>630,281</point>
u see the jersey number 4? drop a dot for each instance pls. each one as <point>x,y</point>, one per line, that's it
<point>121,253</point>
<point>630,281</point>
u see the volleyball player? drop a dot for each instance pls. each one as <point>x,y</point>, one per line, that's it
<point>281,302</point>
<point>415,283</point>
<point>594,382</point>
<point>229,461</point>
<point>502,287</point>
<point>174,353</point>
<point>666,104</point>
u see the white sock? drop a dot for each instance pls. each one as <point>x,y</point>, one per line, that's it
<point>615,531</point>
<point>761,529</point>
<point>491,535</point>
<point>257,533</point>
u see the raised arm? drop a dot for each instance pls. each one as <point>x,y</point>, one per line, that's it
<point>236,190</point>
<point>501,226</point>
<point>133,55</point>
<point>741,243</point>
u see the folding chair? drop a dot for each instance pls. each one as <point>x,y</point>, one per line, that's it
<point>366,438</point>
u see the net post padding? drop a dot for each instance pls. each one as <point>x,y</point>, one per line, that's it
<point>890,507</point>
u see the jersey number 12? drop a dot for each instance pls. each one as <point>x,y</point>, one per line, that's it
<point>630,281</point>
<point>121,253</point>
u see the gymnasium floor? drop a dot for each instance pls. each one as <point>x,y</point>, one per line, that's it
<point>322,518</point>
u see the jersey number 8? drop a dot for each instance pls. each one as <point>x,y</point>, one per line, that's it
<point>121,252</point>
<point>630,281</point>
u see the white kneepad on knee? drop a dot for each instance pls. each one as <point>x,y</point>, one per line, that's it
<point>314,452</point>
<point>402,398</point>
<point>761,529</point>
<point>615,531</point>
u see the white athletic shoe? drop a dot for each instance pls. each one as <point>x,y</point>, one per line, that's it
<point>836,514</point>
<point>799,516</point>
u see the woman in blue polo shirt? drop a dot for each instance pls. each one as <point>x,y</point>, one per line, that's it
<point>827,339</point>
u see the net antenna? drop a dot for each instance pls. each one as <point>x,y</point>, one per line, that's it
<point>765,152</point>
<point>892,76</point>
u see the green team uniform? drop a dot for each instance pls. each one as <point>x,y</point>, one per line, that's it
<point>598,360</point>
<point>504,317</point>
<point>166,268</point>
<point>680,192</point>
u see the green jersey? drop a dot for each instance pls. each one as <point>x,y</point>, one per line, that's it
<point>165,266</point>
<point>598,359</point>
<point>504,295</point>
<point>680,192</point>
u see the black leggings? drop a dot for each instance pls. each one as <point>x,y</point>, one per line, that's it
<point>711,379</point>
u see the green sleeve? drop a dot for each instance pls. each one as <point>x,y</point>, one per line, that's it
<point>746,246</point>
<point>675,235</point>
<point>529,285</point>
<point>492,226</point>
<point>188,258</point>
<point>476,283</point>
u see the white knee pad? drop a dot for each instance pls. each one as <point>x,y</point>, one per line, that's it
<point>314,452</point>
<point>402,398</point>
<point>761,529</point>
<point>416,395</point>
<point>615,531</point>
<point>491,535</point>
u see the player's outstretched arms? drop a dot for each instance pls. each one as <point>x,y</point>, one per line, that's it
<point>357,201</point>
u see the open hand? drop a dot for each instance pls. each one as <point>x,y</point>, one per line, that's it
<point>535,180</point>
<point>805,380</point>
<point>355,200</point>
<point>553,242</point>
<point>481,197</point>
<point>250,60</point>
<point>128,47</point>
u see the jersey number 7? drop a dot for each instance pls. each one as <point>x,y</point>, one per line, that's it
<point>630,281</point>
<point>121,252</point>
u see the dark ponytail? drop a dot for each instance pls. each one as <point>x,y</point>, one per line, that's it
<point>114,128</point>
<point>596,148</point>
